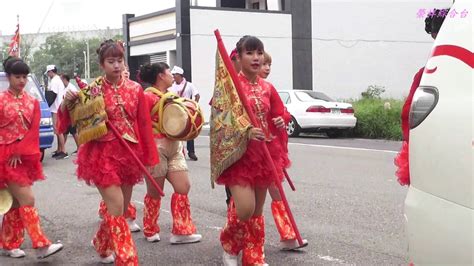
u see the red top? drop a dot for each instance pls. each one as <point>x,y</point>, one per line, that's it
<point>19,123</point>
<point>406,106</point>
<point>266,104</point>
<point>128,111</point>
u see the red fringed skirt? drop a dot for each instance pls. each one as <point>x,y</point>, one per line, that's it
<point>253,169</point>
<point>106,163</point>
<point>402,162</point>
<point>29,171</point>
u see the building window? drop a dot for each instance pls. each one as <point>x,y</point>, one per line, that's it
<point>255,5</point>
<point>233,3</point>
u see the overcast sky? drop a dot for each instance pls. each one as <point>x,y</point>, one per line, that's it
<point>69,15</point>
<point>66,15</point>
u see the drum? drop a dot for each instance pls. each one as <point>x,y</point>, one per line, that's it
<point>6,200</point>
<point>181,119</point>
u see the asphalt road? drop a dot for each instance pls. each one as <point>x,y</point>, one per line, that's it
<point>348,205</point>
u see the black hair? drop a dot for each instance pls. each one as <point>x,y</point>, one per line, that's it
<point>66,77</point>
<point>148,72</point>
<point>249,43</point>
<point>15,66</point>
<point>435,19</point>
<point>110,48</point>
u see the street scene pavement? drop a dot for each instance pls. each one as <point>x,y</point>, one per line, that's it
<point>347,204</point>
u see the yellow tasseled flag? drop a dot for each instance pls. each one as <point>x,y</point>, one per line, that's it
<point>88,114</point>
<point>229,121</point>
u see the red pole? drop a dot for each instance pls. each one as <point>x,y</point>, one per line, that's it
<point>290,182</point>
<point>242,97</point>
<point>140,164</point>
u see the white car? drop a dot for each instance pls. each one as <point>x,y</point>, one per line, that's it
<point>313,111</point>
<point>439,204</point>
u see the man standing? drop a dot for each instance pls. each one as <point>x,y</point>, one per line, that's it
<point>71,130</point>
<point>57,87</point>
<point>185,89</point>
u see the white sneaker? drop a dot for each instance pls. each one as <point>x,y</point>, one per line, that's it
<point>153,238</point>
<point>292,244</point>
<point>42,253</point>
<point>108,260</point>
<point>14,253</point>
<point>230,260</point>
<point>185,239</point>
<point>134,227</point>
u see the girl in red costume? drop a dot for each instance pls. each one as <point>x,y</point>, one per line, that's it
<point>172,167</point>
<point>249,178</point>
<point>20,164</point>
<point>106,163</point>
<point>280,215</point>
<point>131,212</point>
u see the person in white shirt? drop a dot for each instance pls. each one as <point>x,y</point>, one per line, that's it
<point>185,89</point>
<point>57,87</point>
<point>71,130</point>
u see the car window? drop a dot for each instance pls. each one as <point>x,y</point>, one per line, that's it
<point>31,87</point>
<point>285,97</point>
<point>312,96</point>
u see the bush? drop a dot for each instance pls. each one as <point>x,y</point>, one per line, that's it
<point>377,119</point>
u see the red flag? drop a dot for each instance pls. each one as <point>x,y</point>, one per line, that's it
<point>14,48</point>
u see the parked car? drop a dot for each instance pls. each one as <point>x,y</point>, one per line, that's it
<point>439,204</point>
<point>313,111</point>
<point>46,125</point>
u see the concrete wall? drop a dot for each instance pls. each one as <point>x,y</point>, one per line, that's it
<point>274,29</point>
<point>361,43</point>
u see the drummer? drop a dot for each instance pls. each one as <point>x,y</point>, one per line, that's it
<point>172,167</point>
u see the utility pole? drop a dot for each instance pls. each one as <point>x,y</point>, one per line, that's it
<point>88,60</point>
<point>85,64</point>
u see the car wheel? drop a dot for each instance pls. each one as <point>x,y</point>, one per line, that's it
<point>42,155</point>
<point>334,133</point>
<point>293,129</point>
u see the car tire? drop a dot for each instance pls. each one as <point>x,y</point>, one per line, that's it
<point>42,155</point>
<point>293,129</point>
<point>334,133</point>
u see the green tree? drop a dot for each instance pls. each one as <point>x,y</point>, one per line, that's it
<point>67,54</point>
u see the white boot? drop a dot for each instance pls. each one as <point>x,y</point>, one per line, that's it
<point>185,239</point>
<point>134,227</point>
<point>108,260</point>
<point>42,253</point>
<point>14,253</point>
<point>230,260</point>
<point>153,238</point>
<point>292,244</point>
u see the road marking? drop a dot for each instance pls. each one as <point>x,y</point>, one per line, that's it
<point>341,147</point>
<point>138,202</point>
<point>331,259</point>
<point>217,228</point>
<point>332,147</point>
<point>143,204</point>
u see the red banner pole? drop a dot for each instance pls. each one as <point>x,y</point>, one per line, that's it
<point>243,98</point>
<point>140,164</point>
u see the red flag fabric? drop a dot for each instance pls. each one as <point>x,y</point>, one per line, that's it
<point>14,47</point>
